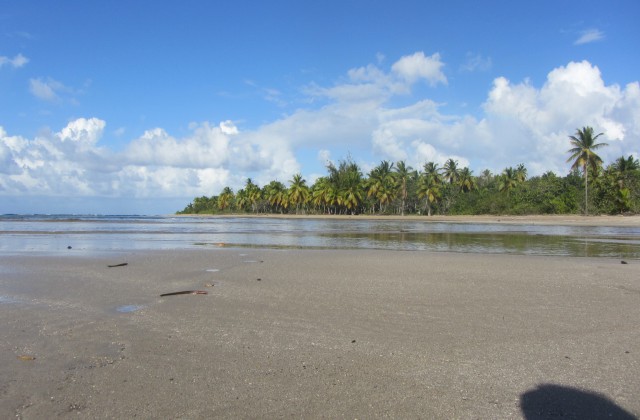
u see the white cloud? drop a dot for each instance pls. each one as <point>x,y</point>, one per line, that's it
<point>387,144</point>
<point>476,62</point>
<point>206,147</point>
<point>417,66</point>
<point>83,131</point>
<point>521,123</point>
<point>15,62</point>
<point>533,124</point>
<point>228,127</point>
<point>42,90</point>
<point>371,84</point>
<point>588,36</point>
<point>47,90</point>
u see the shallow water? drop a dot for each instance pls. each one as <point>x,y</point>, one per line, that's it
<point>125,309</point>
<point>92,234</point>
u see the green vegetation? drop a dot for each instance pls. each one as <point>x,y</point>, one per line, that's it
<point>396,188</point>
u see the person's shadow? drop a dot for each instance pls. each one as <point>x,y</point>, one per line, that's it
<point>549,401</point>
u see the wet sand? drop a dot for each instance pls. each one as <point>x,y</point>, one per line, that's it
<point>318,334</point>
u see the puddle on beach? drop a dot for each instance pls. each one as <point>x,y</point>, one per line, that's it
<point>212,270</point>
<point>8,299</point>
<point>125,309</point>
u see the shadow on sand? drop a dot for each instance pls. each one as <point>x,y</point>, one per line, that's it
<point>549,401</point>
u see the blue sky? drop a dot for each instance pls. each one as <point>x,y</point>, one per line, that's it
<point>138,107</point>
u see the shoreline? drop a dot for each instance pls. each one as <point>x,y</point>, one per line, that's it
<point>551,220</point>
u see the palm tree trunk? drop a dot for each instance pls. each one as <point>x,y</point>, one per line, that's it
<point>586,188</point>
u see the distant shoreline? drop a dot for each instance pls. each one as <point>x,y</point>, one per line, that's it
<point>559,220</point>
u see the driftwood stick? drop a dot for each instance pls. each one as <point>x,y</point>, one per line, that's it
<point>185,292</point>
<point>118,265</point>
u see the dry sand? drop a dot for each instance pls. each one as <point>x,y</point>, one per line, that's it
<point>319,334</point>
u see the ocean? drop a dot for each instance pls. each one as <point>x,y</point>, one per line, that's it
<point>94,234</point>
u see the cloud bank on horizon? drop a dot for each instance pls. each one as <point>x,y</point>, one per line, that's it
<point>372,112</point>
<point>522,123</point>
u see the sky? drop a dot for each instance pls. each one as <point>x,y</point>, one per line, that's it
<point>138,107</point>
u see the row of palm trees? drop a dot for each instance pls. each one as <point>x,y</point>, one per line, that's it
<point>389,188</point>
<point>393,188</point>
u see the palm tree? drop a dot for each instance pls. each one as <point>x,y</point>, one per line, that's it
<point>351,190</point>
<point>508,180</point>
<point>451,171</point>
<point>242,199</point>
<point>276,193</point>
<point>225,199</point>
<point>623,165</point>
<point>466,180</point>
<point>403,174</point>
<point>521,173</point>
<point>431,169</point>
<point>584,143</point>
<point>347,181</point>
<point>253,194</point>
<point>429,189</point>
<point>298,191</point>
<point>323,194</point>
<point>380,183</point>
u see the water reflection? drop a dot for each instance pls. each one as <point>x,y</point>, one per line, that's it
<point>505,242</point>
<point>100,233</point>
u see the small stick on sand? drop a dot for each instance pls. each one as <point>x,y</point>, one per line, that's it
<point>186,292</point>
<point>118,265</point>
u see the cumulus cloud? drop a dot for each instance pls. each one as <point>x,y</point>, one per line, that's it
<point>520,123</point>
<point>15,62</point>
<point>588,36</point>
<point>539,120</point>
<point>417,66</point>
<point>73,162</point>
<point>372,84</point>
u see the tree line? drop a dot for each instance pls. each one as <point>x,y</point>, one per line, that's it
<point>394,188</point>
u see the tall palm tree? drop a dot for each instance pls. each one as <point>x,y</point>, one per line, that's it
<point>466,180</point>
<point>351,192</point>
<point>380,183</point>
<point>584,143</point>
<point>275,192</point>
<point>298,191</point>
<point>429,189</point>
<point>431,169</point>
<point>242,200</point>
<point>323,194</point>
<point>451,171</point>
<point>225,198</point>
<point>403,174</point>
<point>347,180</point>
<point>508,180</point>
<point>253,194</point>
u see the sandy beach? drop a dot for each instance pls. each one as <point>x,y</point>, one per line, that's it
<point>318,334</point>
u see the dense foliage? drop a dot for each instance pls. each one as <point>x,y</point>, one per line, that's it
<point>395,188</point>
